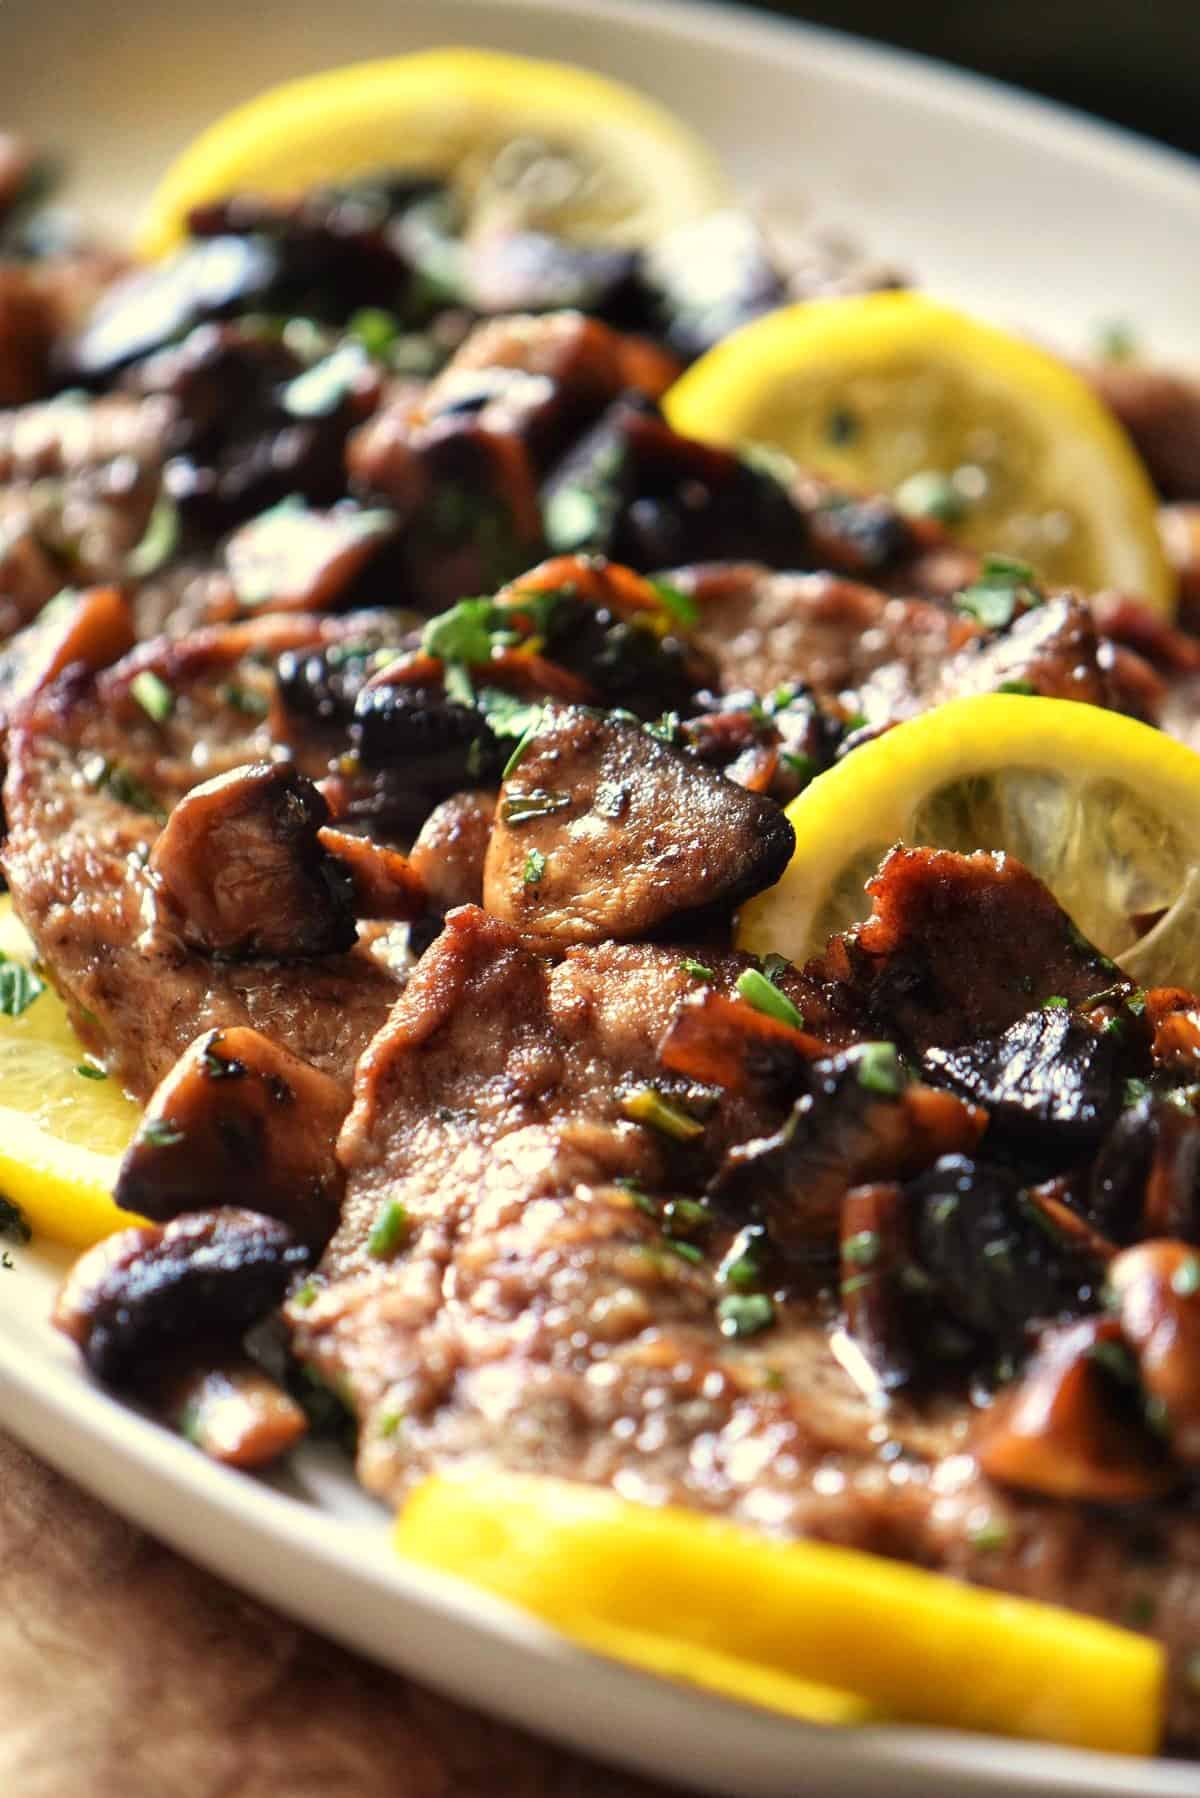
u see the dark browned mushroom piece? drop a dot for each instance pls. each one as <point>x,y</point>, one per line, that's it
<point>138,1299</point>
<point>240,871</point>
<point>1073,1426</point>
<point>233,1410</point>
<point>874,1252</point>
<point>239,1114</point>
<point>604,831</point>
<point>863,1119</point>
<point>1156,1292</point>
<point>384,884</point>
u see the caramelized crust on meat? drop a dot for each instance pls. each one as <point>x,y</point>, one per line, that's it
<point>91,779</point>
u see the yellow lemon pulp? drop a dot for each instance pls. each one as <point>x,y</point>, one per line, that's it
<point>897,393</point>
<point>62,1133</point>
<point>1105,810</point>
<point>824,1633</point>
<point>557,147</point>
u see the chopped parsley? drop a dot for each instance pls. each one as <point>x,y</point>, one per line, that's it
<point>686,1217</point>
<point>388,1231</point>
<point>19,987</point>
<point>126,788</point>
<point>518,755</point>
<point>375,329</point>
<point>306,1295</point>
<point>696,969</point>
<point>508,716</point>
<point>862,1249</point>
<point>88,1070</point>
<point>879,1069</point>
<point>745,1313</point>
<point>1134,1090</point>
<point>645,1106</point>
<point>743,1265</point>
<point>1186,1279</point>
<point>523,808</point>
<point>153,695</point>
<point>458,685</point>
<point>244,700</point>
<point>160,1133</point>
<point>1056,1002</point>
<point>1025,688</point>
<point>158,543</point>
<point>323,388</point>
<point>931,494</point>
<point>1003,584</point>
<point>990,1535</point>
<point>687,1251</point>
<point>389,1422</point>
<point>535,868</point>
<point>758,990</point>
<point>680,605</point>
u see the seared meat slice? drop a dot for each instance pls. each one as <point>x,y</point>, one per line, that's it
<point>958,947</point>
<point>148,1293</point>
<point>524,1312</point>
<point>1053,650</point>
<point>1161,412</point>
<point>96,765</point>
<point>240,871</point>
<point>450,847</point>
<point>604,831</point>
<point>765,629</point>
<point>79,480</point>
<point>882,658</point>
<point>238,1112</point>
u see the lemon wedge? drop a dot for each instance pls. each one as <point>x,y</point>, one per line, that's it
<point>896,393</point>
<point>1104,809</point>
<point>62,1128</point>
<point>824,1633</point>
<point>559,148</point>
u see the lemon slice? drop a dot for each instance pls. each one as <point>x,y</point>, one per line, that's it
<point>62,1132</point>
<point>896,393</point>
<point>560,148</point>
<point>1105,810</point>
<point>829,1634</point>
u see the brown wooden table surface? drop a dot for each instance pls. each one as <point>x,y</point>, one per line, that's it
<point>125,1672</point>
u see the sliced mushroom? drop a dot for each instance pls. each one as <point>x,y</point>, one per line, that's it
<point>725,1042</point>
<point>240,871</point>
<point>603,831</point>
<point>1156,1292</point>
<point>874,1252</point>
<point>384,883</point>
<point>1072,1427</point>
<point>234,1412</point>
<point>996,1257</point>
<point>92,628</point>
<point>296,558</point>
<point>238,1113</point>
<point>146,1294</point>
<point>863,1120</point>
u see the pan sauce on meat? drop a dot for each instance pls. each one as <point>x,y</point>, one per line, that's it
<point>396,709</point>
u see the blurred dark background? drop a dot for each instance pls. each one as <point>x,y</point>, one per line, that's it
<point>1136,62</point>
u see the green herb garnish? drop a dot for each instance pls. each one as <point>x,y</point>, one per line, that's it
<point>88,1070</point>
<point>523,808</point>
<point>879,1069</point>
<point>1056,1002</point>
<point>535,867</point>
<point>645,1106</point>
<point>160,1133</point>
<point>1025,688</point>
<point>745,1313</point>
<point>1186,1278</point>
<point>863,1248</point>
<point>243,700</point>
<point>153,695</point>
<point>991,1535</point>
<point>388,1231</point>
<point>321,389</point>
<point>930,494</point>
<point>158,543</point>
<point>375,329</point>
<point>760,992</point>
<point>19,987</point>
<point>696,969</point>
<point>680,605</point>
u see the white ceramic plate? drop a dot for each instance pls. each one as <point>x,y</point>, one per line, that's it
<point>1006,204</point>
